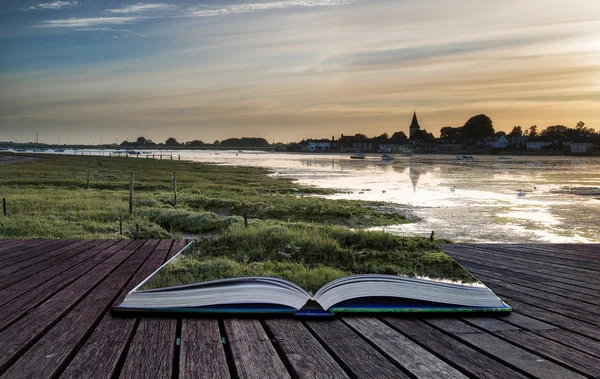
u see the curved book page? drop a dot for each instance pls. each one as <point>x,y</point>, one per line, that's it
<point>369,286</point>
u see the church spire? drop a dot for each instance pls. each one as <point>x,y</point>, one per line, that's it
<point>414,126</point>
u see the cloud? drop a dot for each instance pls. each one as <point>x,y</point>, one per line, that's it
<point>101,30</point>
<point>86,22</point>
<point>140,7</point>
<point>212,10</point>
<point>55,5</point>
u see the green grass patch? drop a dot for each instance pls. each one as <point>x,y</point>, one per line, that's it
<point>307,254</point>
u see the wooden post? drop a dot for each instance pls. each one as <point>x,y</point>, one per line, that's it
<point>179,157</point>
<point>4,205</point>
<point>88,178</point>
<point>175,187</point>
<point>120,221</point>
<point>137,231</point>
<point>244,215</point>
<point>131,194</point>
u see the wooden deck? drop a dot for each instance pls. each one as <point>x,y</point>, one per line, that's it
<point>55,298</point>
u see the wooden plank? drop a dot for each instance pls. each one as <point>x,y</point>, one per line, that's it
<point>47,356</point>
<point>253,353</point>
<point>154,351</point>
<point>471,258</point>
<point>573,340</point>
<point>202,353</point>
<point>515,356</point>
<point>112,335</point>
<point>31,326</point>
<point>467,359</point>
<point>575,360</point>
<point>411,356</point>
<point>10,246</point>
<point>156,334</point>
<point>490,324</point>
<point>557,269</point>
<point>30,267</point>
<point>21,304</point>
<point>352,352</point>
<point>47,278</point>
<point>305,354</point>
<point>554,318</point>
<point>525,285</point>
<point>525,322</point>
<point>46,250</point>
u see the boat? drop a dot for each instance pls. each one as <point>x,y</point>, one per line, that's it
<point>59,150</point>
<point>20,150</point>
<point>358,156</point>
<point>132,152</point>
<point>464,158</point>
<point>387,157</point>
<point>520,193</point>
<point>4,148</point>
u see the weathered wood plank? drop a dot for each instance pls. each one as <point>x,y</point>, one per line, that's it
<point>22,302</point>
<point>111,336</point>
<point>411,356</point>
<point>554,318</point>
<point>455,353</point>
<point>10,246</point>
<point>573,340</point>
<point>305,354</point>
<point>30,327</point>
<point>202,354</point>
<point>156,334</point>
<point>528,362</point>
<point>576,360</point>
<point>352,351</point>
<point>52,274</point>
<point>253,353</point>
<point>525,322</point>
<point>490,324</point>
<point>46,357</point>
<point>41,252</point>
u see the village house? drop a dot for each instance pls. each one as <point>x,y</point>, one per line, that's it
<point>319,145</point>
<point>537,144</point>
<point>582,146</point>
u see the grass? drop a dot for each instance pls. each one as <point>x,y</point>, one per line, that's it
<point>50,198</point>
<point>307,254</point>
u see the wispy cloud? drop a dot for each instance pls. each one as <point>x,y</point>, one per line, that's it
<point>140,7</point>
<point>213,10</point>
<point>86,22</point>
<point>54,5</point>
<point>105,29</point>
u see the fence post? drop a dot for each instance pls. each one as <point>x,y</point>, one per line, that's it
<point>175,187</point>
<point>131,194</point>
<point>4,205</point>
<point>244,215</point>
<point>120,221</point>
<point>88,178</point>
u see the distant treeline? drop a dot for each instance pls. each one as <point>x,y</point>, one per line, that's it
<point>172,142</point>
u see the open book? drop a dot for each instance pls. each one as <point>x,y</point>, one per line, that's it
<point>268,294</point>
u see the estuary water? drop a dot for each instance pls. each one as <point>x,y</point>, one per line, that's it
<point>514,199</point>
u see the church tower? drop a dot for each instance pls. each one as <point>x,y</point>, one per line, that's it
<point>414,126</point>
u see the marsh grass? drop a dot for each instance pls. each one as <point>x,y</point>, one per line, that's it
<point>307,254</point>
<point>50,198</point>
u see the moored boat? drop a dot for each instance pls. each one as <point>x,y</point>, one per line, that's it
<point>387,157</point>
<point>357,156</point>
<point>464,158</point>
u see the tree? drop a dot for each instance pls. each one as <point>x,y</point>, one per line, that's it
<point>171,142</point>
<point>141,141</point>
<point>380,140</point>
<point>194,143</point>
<point>399,138</point>
<point>478,127</point>
<point>450,133</point>
<point>533,131</point>
<point>555,132</point>
<point>516,132</point>
<point>580,125</point>
<point>216,142</point>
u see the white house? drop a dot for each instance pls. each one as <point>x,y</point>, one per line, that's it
<point>537,145</point>
<point>581,147</point>
<point>500,142</point>
<point>319,145</point>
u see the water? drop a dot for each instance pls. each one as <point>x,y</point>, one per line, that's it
<point>465,201</point>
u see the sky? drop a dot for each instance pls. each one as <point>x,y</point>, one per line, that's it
<point>86,71</point>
